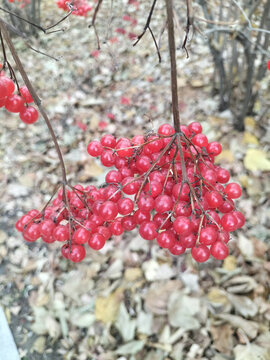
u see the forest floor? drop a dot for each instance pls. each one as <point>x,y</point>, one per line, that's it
<point>120,303</point>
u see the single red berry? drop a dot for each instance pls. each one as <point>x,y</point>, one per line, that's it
<point>116,228</point>
<point>61,233</point>
<point>31,232</point>
<point>208,235</point>
<point>77,253</point>
<point>148,230</point>
<point>81,236</point>
<point>128,223</point>
<point>229,222</point>
<point>104,231</point>
<point>195,127</point>
<point>123,147</point>
<point>108,210</point>
<point>97,241</point>
<point>214,199</point>
<point>146,202</point>
<point>200,140</point>
<point>3,89</point>
<point>113,176</point>
<point>10,85</point>
<point>223,236</point>
<point>166,130</point>
<point>182,225</point>
<point>214,148</point>
<point>166,239</point>
<point>26,94</point>
<point>233,190</point>
<point>14,103</point>
<point>177,249</point>
<point>200,253</point>
<point>188,241</point>
<point>219,250</point>
<point>240,219</point>
<point>223,175</point>
<point>29,115</point>
<point>46,228</point>
<point>94,148</point>
<point>268,64</point>
<point>125,206</point>
<point>140,216</point>
<point>108,141</point>
<point>163,203</point>
<point>107,158</point>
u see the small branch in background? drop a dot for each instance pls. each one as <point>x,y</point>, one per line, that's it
<point>41,28</point>
<point>147,26</point>
<point>190,23</point>
<point>93,22</point>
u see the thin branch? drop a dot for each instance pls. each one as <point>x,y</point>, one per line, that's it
<point>174,88</point>
<point>190,20</point>
<point>146,26</point>
<point>156,45</point>
<point>93,22</point>
<point>34,95</point>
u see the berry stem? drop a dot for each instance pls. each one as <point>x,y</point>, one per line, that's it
<point>171,39</point>
<point>35,97</point>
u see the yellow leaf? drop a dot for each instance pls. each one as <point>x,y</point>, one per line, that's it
<point>229,263</point>
<point>249,123</point>
<point>256,159</point>
<point>106,309</point>
<point>244,180</point>
<point>250,139</point>
<point>132,274</point>
<point>226,155</point>
<point>217,296</point>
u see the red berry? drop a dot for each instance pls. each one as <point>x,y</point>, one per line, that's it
<point>223,175</point>
<point>182,225</point>
<point>163,203</point>
<point>77,253</point>
<point>268,64</point>
<point>81,236</point>
<point>104,231</point>
<point>200,140</point>
<point>128,223</point>
<point>166,239</point>
<point>214,199</point>
<point>46,228</point>
<point>29,115</point>
<point>219,250</point>
<point>188,241</point>
<point>3,89</point>
<point>97,241</point>
<point>31,232</point>
<point>108,141</point>
<point>123,148</point>
<point>195,127</point>
<point>166,130</point>
<point>113,176</point>
<point>240,218</point>
<point>200,253</point>
<point>108,210</point>
<point>10,85</point>
<point>125,206</point>
<point>26,94</point>
<point>94,148</point>
<point>233,190</point>
<point>116,228</point>
<point>14,103</point>
<point>214,148</point>
<point>141,216</point>
<point>146,202</point>
<point>61,233</point>
<point>229,222</point>
<point>208,235</point>
<point>148,230</point>
<point>107,158</point>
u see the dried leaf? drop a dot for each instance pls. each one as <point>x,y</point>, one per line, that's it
<point>243,305</point>
<point>250,328</point>
<point>256,159</point>
<point>124,324</point>
<point>251,352</point>
<point>106,309</point>
<point>130,348</point>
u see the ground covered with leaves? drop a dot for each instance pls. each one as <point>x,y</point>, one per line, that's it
<point>130,300</point>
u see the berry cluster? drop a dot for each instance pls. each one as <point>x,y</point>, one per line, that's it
<point>166,184</point>
<point>17,103</point>
<point>79,7</point>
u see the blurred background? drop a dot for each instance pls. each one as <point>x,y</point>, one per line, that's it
<point>122,303</point>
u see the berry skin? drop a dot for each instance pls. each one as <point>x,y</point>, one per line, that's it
<point>200,253</point>
<point>3,89</point>
<point>26,94</point>
<point>233,190</point>
<point>141,216</point>
<point>104,231</point>
<point>182,225</point>
<point>200,140</point>
<point>97,241</point>
<point>146,202</point>
<point>81,236</point>
<point>240,219</point>
<point>94,148</point>
<point>163,203</point>
<point>223,236</point>
<point>32,232</point>
<point>148,231</point>
<point>46,228</point>
<point>268,64</point>
<point>108,210</point>
<point>177,249</point>
<point>195,127</point>
<point>123,147</point>
<point>77,253</point>
<point>61,233</point>
<point>214,148</point>
<point>125,206</point>
<point>214,199</point>
<point>188,241</point>
<point>113,176</point>
<point>128,223</point>
<point>219,250</point>
<point>116,228</point>
<point>108,141</point>
<point>29,115</point>
<point>10,85</point>
<point>166,130</point>
<point>208,235</point>
<point>223,175</point>
<point>166,239</point>
<point>14,103</point>
<point>229,222</point>
<point>107,158</point>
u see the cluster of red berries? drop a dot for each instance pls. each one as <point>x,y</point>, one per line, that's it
<point>17,103</point>
<point>79,7</point>
<point>181,205</point>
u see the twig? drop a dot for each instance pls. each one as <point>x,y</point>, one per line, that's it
<point>175,103</point>
<point>189,24</point>
<point>93,22</point>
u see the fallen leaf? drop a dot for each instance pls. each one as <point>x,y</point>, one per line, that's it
<point>251,352</point>
<point>256,159</point>
<point>243,305</point>
<point>106,309</point>
<point>125,324</point>
<point>217,296</point>
<point>130,348</point>
<point>39,345</point>
<point>249,138</point>
<point>222,337</point>
<point>250,328</point>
